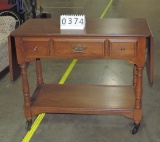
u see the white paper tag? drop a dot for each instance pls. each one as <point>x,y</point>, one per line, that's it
<point>72,22</point>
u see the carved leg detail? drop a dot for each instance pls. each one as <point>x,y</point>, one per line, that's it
<point>39,72</point>
<point>138,103</point>
<point>134,76</point>
<point>138,99</point>
<point>26,93</point>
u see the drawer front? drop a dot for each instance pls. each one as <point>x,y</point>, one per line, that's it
<point>36,47</point>
<point>123,47</point>
<point>79,47</point>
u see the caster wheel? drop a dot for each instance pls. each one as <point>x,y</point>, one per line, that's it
<point>134,128</point>
<point>28,125</point>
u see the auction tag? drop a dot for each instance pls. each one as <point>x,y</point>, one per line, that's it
<point>72,22</point>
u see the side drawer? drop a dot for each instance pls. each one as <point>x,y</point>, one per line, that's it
<point>123,47</point>
<point>36,46</point>
<point>79,47</point>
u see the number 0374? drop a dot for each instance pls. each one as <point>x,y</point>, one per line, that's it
<point>72,22</point>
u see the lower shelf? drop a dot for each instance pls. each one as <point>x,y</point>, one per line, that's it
<point>83,99</point>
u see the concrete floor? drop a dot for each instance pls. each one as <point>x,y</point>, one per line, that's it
<point>87,128</point>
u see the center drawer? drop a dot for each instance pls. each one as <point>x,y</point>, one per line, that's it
<point>79,47</point>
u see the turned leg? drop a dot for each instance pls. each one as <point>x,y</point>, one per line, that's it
<point>39,72</point>
<point>134,76</point>
<point>138,102</point>
<point>26,93</point>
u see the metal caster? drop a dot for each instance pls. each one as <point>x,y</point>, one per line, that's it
<point>134,128</point>
<point>28,125</point>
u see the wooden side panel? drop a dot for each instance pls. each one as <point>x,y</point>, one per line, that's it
<point>150,59</point>
<point>14,67</point>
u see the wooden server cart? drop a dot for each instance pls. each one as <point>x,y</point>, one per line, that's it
<point>126,39</point>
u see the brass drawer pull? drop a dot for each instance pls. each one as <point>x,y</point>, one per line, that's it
<point>79,48</point>
<point>123,49</point>
<point>35,48</point>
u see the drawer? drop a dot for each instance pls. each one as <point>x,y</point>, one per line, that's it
<point>36,46</point>
<point>79,47</point>
<point>123,47</point>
